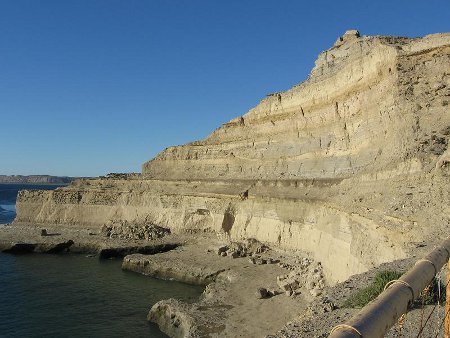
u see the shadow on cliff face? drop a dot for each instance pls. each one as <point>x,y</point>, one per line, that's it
<point>228,219</point>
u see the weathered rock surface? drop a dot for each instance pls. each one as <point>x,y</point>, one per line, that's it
<point>370,104</point>
<point>307,275</point>
<point>135,231</point>
<point>352,163</point>
<point>228,307</point>
<point>19,239</point>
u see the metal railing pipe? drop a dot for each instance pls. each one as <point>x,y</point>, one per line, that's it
<point>377,317</point>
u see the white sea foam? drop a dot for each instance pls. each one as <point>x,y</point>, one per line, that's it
<point>7,208</point>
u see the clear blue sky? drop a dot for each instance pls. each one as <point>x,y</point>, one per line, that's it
<point>89,87</point>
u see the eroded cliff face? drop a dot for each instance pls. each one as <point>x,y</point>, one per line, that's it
<point>366,104</point>
<point>351,165</point>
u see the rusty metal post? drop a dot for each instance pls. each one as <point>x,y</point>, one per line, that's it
<point>447,304</point>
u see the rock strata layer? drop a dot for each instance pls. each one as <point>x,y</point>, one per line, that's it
<point>352,164</point>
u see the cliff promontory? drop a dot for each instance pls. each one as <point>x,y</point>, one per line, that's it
<point>351,166</point>
<point>351,162</point>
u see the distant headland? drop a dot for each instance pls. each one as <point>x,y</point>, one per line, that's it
<point>37,179</point>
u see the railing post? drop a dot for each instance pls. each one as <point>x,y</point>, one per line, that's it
<point>447,304</point>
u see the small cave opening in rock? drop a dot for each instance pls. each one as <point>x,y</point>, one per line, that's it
<point>228,220</point>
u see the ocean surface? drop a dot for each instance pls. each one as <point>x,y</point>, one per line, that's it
<point>75,295</point>
<point>8,194</point>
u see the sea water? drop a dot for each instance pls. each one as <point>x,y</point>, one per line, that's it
<point>75,295</point>
<point>8,195</point>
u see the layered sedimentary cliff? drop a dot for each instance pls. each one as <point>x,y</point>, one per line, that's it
<point>351,165</point>
<point>366,107</point>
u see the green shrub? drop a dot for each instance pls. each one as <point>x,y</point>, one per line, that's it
<point>364,296</point>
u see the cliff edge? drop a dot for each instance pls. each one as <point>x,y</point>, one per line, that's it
<point>351,165</point>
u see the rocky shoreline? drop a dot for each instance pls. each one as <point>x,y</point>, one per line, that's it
<point>244,282</point>
<point>229,305</point>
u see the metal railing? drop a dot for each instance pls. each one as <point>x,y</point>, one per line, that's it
<point>377,317</point>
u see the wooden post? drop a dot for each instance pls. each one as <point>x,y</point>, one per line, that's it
<point>447,304</point>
